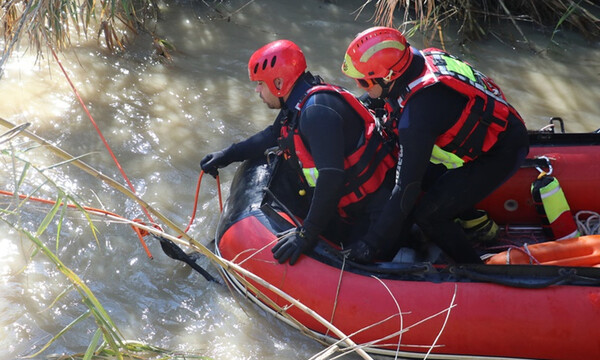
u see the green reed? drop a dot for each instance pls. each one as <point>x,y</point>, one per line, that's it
<point>107,341</point>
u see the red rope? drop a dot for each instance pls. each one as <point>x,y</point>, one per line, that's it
<point>219,192</point>
<point>195,203</point>
<point>105,144</point>
<point>196,196</point>
<point>140,232</point>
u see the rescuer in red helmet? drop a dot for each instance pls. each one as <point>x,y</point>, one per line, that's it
<point>458,139</point>
<point>326,135</point>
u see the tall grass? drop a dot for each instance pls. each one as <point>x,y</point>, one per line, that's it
<point>52,22</point>
<point>476,18</point>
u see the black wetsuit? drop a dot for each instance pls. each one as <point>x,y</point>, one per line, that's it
<point>331,130</point>
<point>428,194</point>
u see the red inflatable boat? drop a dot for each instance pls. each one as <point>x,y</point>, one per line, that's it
<point>493,311</point>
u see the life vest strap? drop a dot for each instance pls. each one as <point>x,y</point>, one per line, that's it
<point>375,152</point>
<point>470,138</point>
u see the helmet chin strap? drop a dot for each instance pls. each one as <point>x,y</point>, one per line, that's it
<point>278,84</point>
<point>385,87</point>
<point>282,103</point>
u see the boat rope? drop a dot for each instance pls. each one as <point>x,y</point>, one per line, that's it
<point>590,225</point>
<point>564,276</point>
<point>196,196</point>
<point>525,250</point>
<point>173,250</point>
<point>283,207</point>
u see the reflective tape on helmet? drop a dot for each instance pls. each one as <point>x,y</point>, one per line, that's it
<point>349,69</point>
<point>386,44</point>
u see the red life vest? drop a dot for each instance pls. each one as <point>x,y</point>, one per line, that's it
<point>365,168</point>
<point>484,117</point>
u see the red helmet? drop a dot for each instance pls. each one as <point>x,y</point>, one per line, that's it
<point>378,52</point>
<point>278,59</point>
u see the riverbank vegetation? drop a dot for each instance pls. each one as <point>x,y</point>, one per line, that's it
<point>52,22</point>
<point>477,19</point>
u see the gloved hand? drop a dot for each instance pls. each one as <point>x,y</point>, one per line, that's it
<point>213,161</point>
<point>364,250</point>
<point>292,245</point>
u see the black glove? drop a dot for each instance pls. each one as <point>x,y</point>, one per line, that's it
<point>371,103</point>
<point>292,245</point>
<point>364,250</point>
<point>213,161</point>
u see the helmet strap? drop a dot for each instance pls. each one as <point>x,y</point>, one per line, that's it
<point>385,87</point>
<point>282,103</point>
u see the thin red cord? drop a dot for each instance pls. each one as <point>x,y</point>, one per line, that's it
<point>123,172</point>
<point>140,233</point>
<point>219,192</point>
<point>105,144</point>
<point>196,196</point>
<point>195,202</point>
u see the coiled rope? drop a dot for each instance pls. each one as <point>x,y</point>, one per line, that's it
<point>588,222</point>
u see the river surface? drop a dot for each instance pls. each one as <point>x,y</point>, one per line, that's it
<point>160,119</point>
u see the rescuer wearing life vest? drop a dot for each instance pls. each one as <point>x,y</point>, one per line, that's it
<point>328,136</point>
<point>458,139</point>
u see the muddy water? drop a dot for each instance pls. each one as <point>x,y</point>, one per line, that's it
<point>160,119</point>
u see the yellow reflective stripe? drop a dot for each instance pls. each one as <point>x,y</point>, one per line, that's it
<point>349,69</point>
<point>348,66</point>
<point>311,175</point>
<point>554,200</point>
<point>459,67</point>
<point>450,160</point>
<point>386,44</point>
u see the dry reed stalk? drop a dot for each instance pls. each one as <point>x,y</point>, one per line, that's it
<point>236,270</point>
<point>401,331</point>
<point>325,352</point>
<point>445,322</point>
<point>475,18</point>
<point>240,273</point>
<point>337,290</point>
<point>397,306</point>
<point>53,22</point>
